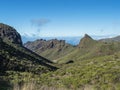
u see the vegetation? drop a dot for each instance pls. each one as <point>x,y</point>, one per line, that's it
<point>51,49</point>
<point>19,59</point>
<point>92,65</point>
<point>99,73</point>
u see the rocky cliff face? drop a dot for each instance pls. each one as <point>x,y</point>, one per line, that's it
<point>9,34</point>
<point>51,49</point>
<point>43,45</point>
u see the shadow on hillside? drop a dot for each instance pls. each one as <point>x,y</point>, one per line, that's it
<point>5,85</point>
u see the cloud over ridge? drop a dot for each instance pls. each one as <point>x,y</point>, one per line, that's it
<point>39,22</point>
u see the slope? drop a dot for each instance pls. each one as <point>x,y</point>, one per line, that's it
<point>98,73</point>
<point>116,39</point>
<point>15,57</point>
<point>96,67</point>
<point>89,48</point>
<point>51,49</point>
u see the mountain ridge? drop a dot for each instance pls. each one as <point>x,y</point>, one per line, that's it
<point>50,49</point>
<point>14,56</point>
<point>116,39</point>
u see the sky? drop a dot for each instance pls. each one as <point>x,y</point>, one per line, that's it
<point>50,18</point>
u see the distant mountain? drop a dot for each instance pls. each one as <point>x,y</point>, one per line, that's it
<point>51,49</point>
<point>59,50</point>
<point>89,48</point>
<point>117,39</point>
<point>73,40</point>
<point>15,57</point>
<point>86,41</point>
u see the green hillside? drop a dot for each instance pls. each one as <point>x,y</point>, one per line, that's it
<point>51,49</point>
<point>89,48</point>
<point>15,58</point>
<point>18,58</point>
<point>91,65</point>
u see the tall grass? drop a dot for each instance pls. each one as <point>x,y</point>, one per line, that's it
<point>26,86</point>
<point>34,86</point>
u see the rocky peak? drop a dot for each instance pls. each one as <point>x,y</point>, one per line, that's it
<point>45,44</point>
<point>85,41</point>
<point>9,34</point>
<point>87,36</point>
<point>55,43</point>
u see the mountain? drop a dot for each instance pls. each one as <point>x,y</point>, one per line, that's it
<point>73,40</point>
<point>86,42</point>
<point>9,34</point>
<point>60,51</point>
<point>117,39</point>
<point>15,57</point>
<point>51,49</point>
<point>89,48</point>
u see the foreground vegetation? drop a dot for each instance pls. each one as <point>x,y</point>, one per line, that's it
<point>100,73</point>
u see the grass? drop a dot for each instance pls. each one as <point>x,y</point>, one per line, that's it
<point>17,58</point>
<point>98,73</point>
<point>90,51</point>
<point>26,86</point>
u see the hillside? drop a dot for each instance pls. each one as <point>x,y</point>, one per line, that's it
<point>51,49</point>
<point>62,52</point>
<point>15,57</point>
<point>92,65</point>
<point>95,66</point>
<point>16,61</point>
<point>89,48</point>
<point>116,39</point>
<point>97,73</point>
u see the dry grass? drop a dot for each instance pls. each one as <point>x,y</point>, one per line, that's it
<point>34,86</point>
<point>27,86</point>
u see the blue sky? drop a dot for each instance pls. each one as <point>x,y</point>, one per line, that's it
<point>46,18</point>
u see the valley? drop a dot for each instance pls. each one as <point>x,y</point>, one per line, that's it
<point>56,65</point>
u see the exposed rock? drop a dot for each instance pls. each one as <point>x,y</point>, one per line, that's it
<point>9,34</point>
<point>43,44</point>
<point>87,36</point>
<point>86,41</point>
<point>51,49</point>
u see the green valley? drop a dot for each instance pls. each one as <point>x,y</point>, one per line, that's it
<point>90,65</point>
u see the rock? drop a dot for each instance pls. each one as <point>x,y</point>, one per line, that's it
<point>86,41</point>
<point>44,45</point>
<point>9,34</point>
